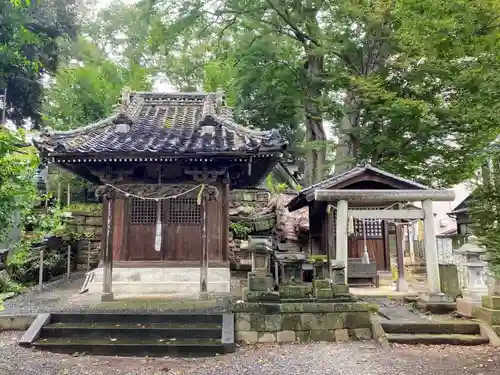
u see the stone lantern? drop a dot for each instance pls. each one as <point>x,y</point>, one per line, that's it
<point>476,286</point>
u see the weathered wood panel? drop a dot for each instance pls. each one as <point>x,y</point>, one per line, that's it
<point>214,229</point>
<point>141,242</point>
<point>118,223</point>
<point>375,250</point>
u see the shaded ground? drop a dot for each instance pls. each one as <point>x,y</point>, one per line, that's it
<point>357,358</point>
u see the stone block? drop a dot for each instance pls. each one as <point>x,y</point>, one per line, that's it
<point>361,333</point>
<point>248,337</point>
<point>295,291</point>
<point>260,283</point>
<point>285,336</point>
<point>334,321</point>
<point>490,316</point>
<point>256,308</point>
<point>466,307</point>
<point>358,319</point>
<point>242,322</point>
<point>321,284</point>
<point>341,335</point>
<point>310,321</point>
<point>323,293</point>
<point>266,323</point>
<point>93,220</point>
<point>322,335</point>
<point>303,336</point>
<point>291,322</point>
<point>340,289</point>
<point>491,302</point>
<point>266,337</point>
<point>262,296</point>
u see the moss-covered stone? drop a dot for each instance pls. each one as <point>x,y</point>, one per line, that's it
<point>342,335</point>
<point>248,337</point>
<point>490,316</point>
<point>256,308</point>
<point>340,289</point>
<point>491,302</point>
<point>291,322</point>
<point>334,321</point>
<point>242,322</point>
<point>265,323</point>
<point>322,335</point>
<point>321,284</point>
<point>260,283</point>
<point>360,333</point>
<point>295,291</point>
<point>262,296</point>
<point>359,319</point>
<point>323,293</point>
<point>303,336</point>
<point>310,321</point>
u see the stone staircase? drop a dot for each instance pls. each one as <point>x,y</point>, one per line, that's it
<point>434,333</point>
<point>133,334</point>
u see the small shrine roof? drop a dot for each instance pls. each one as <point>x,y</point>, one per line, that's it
<point>163,124</point>
<point>363,173</point>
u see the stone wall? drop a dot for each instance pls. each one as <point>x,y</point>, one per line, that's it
<point>301,322</point>
<point>87,229</point>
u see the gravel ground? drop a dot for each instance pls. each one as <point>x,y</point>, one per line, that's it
<point>357,358</point>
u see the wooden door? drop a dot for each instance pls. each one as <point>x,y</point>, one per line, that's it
<point>142,230</point>
<point>182,230</point>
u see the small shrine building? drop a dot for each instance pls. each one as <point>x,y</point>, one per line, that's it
<point>165,164</point>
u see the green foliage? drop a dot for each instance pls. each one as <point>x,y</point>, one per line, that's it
<point>275,188</point>
<point>29,48</point>
<point>17,187</point>
<point>240,230</point>
<point>83,207</point>
<point>394,78</point>
<point>484,212</point>
<point>88,87</point>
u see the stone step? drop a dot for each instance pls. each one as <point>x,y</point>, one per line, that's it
<point>135,347</point>
<point>403,327</point>
<point>133,334</point>
<point>113,318</point>
<point>124,331</point>
<point>441,339</point>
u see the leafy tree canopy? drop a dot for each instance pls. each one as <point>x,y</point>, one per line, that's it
<point>29,36</point>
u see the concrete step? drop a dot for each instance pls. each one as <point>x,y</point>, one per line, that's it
<point>134,347</point>
<point>433,328</point>
<point>125,331</point>
<point>112,318</point>
<point>433,339</point>
<point>133,334</point>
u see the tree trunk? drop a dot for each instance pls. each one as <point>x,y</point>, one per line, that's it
<point>347,147</point>
<point>315,167</point>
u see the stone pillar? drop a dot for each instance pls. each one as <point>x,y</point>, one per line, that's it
<point>107,259</point>
<point>476,286</point>
<point>341,235</point>
<point>431,258</point>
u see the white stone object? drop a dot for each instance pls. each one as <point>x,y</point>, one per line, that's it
<point>476,270</point>
<point>341,230</point>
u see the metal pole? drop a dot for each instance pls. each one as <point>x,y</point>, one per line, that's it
<point>88,256</point>
<point>40,273</point>
<point>69,262</point>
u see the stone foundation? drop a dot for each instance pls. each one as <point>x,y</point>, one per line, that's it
<point>301,322</point>
<point>162,280</point>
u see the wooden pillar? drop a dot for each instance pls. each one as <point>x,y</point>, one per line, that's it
<point>431,258</point>
<point>107,288</point>
<point>204,246</point>
<point>225,222</point>
<point>341,234</point>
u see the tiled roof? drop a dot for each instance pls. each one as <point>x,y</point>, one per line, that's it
<point>300,200</point>
<point>165,124</point>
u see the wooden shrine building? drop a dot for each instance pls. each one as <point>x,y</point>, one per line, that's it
<point>165,164</point>
<point>368,200</point>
